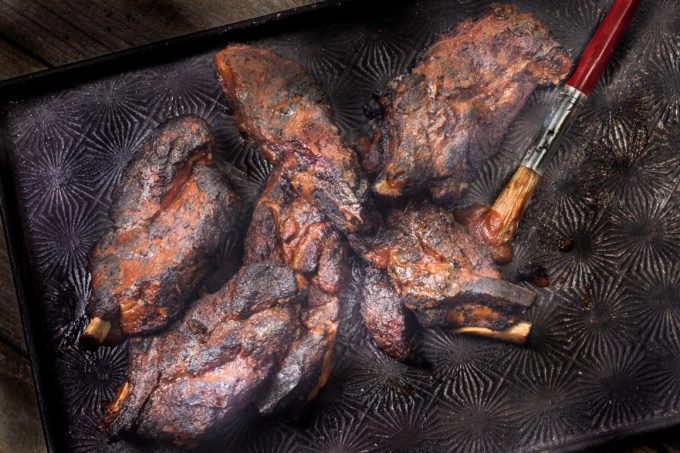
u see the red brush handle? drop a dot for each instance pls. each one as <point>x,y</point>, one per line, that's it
<point>594,59</point>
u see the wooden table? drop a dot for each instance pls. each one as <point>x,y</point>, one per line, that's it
<point>40,34</point>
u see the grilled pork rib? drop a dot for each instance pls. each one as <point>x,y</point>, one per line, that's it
<point>279,106</point>
<point>287,229</point>
<point>441,274</point>
<point>189,381</point>
<point>266,337</point>
<point>451,112</point>
<point>170,212</point>
<point>316,192</point>
<point>277,347</point>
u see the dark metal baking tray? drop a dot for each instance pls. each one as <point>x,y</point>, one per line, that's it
<point>603,360</point>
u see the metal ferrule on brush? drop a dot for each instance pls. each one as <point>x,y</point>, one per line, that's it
<point>556,125</point>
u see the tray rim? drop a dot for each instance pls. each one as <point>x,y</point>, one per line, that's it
<point>60,78</point>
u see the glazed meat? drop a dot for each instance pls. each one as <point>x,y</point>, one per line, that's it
<point>441,274</point>
<point>451,112</point>
<point>188,382</point>
<point>279,106</point>
<point>170,212</point>
<point>287,229</point>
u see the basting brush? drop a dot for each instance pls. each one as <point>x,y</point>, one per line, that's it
<point>502,220</point>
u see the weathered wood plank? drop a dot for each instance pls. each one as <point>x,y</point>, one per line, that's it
<point>14,62</point>
<point>20,428</point>
<point>71,30</point>
<point>43,33</point>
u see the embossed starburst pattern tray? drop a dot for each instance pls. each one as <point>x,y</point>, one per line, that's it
<point>603,359</point>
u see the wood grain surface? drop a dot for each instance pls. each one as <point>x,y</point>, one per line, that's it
<point>14,62</point>
<point>57,32</point>
<point>39,34</point>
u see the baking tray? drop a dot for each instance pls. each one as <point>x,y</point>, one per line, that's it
<point>603,360</point>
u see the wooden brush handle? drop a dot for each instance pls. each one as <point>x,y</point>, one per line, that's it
<point>503,218</point>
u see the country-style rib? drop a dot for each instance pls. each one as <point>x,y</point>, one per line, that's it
<point>279,106</point>
<point>186,383</point>
<point>450,113</point>
<point>266,338</point>
<point>442,275</point>
<point>170,211</point>
<point>287,229</point>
